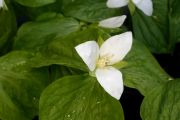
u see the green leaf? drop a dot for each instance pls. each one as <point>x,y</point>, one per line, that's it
<point>160,32</point>
<point>147,31</point>
<point>49,16</point>
<point>163,102</point>
<point>61,51</point>
<point>153,31</point>
<point>34,12</point>
<point>174,22</point>
<point>89,10</point>
<point>142,70</point>
<point>7,29</point>
<point>35,35</point>
<point>35,3</point>
<point>20,86</point>
<point>57,71</point>
<point>78,98</point>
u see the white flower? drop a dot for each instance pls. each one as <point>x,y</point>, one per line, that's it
<point>144,5</point>
<point>113,22</point>
<point>3,4</point>
<point>100,60</point>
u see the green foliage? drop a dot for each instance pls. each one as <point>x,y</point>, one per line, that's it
<point>161,31</point>
<point>20,86</point>
<point>79,98</point>
<point>162,103</point>
<point>61,50</point>
<point>7,28</point>
<point>89,10</point>
<point>147,31</point>
<point>42,75</point>
<point>174,21</point>
<point>143,72</point>
<point>35,3</point>
<point>33,35</point>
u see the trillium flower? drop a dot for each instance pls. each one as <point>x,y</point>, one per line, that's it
<point>113,22</point>
<point>144,5</point>
<point>100,61</point>
<point>3,4</point>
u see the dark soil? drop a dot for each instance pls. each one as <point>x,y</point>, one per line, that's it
<point>131,101</point>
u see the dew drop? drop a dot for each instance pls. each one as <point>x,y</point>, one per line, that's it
<point>68,116</point>
<point>155,17</point>
<point>34,98</point>
<point>24,71</point>
<point>98,102</point>
<point>52,110</point>
<point>170,78</point>
<point>4,68</point>
<point>81,109</point>
<point>21,63</point>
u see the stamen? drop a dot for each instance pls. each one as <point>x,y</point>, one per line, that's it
<point>102,62</point>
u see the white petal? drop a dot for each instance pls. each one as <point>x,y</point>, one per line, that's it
<point>89,52</point>
<point>1,3</point>
<point>113,22</point>
<point>111,80</point>
<point>116,47</point>
<point>145,5</point>
<point>117,3</point>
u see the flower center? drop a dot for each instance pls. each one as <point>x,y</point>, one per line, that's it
<point>102,62</point>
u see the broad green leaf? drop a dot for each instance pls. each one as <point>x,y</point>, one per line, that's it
<point>20,86</point>
<point>142,70</point>
<point>35,3</point>
<point>35,35</point>
<point>160,32</point>
<point>160,15</point>
<point>174,22</point>
<point>89,10</point>
<point>34,12</point>
<point>153,31</point>
<point>78,98</point>
<point>62,50</point>
<point>147,31</point>
<point>7,28</point>
<point>48,16</point>
<point>163,102</point>
<point>57,71</point>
